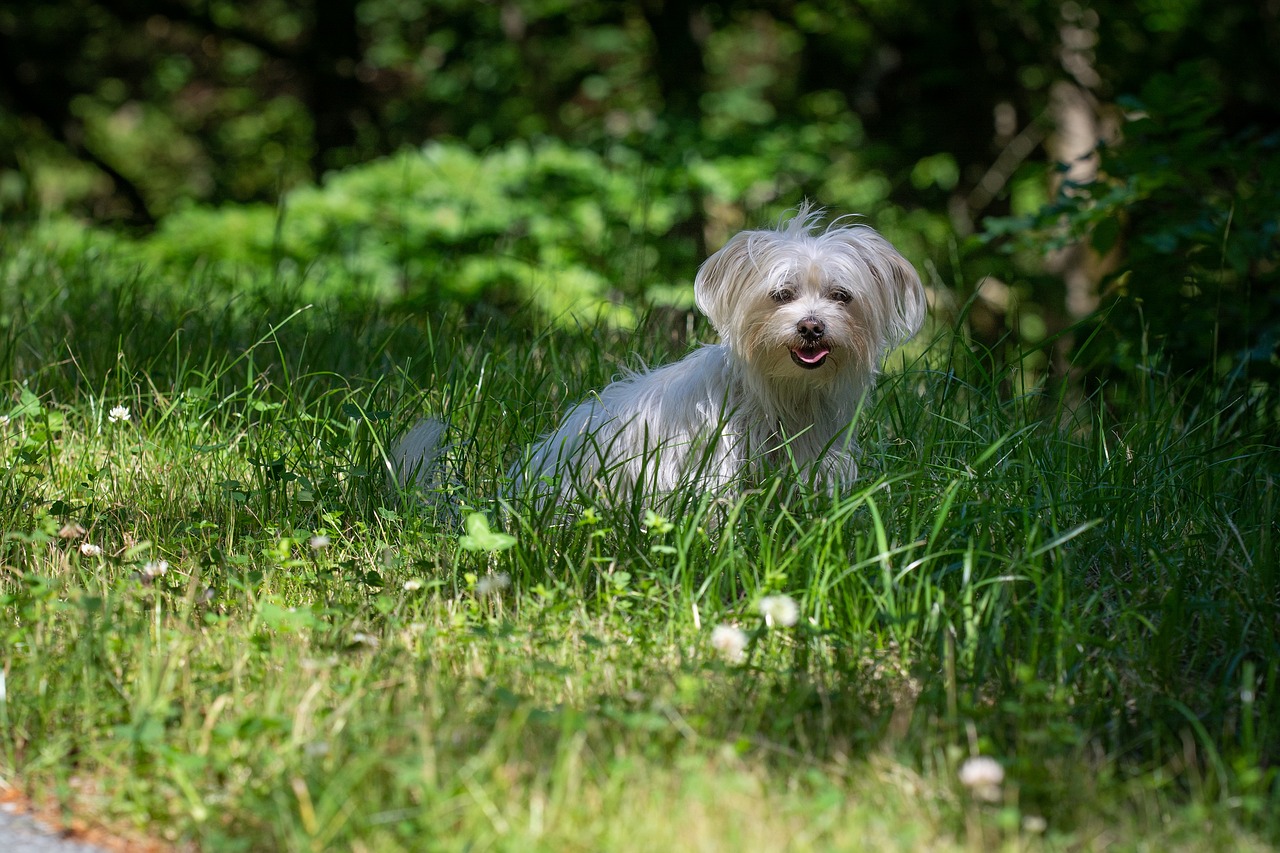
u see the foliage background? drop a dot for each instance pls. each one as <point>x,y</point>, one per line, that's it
<point>582,156</point>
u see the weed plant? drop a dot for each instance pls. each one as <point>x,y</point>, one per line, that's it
<point>223,628</point>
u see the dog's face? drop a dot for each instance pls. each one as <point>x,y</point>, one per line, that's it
<point>806,307</point>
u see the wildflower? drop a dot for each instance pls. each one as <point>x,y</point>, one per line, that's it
<point>88,549</point>
<point>779,611</point>
<point>492,584</point>
<point>319,542</point>
<point>118,413</point>
<point>4,421</point>
<point>412,585</point>
<point>982,775</point>
<point>730,642</point>
<point>71,530</point>
<point>153,569</point>
<point>313,665</point>
<point>1034,824</point>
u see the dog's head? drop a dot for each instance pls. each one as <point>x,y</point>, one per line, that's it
<point>810,305</point>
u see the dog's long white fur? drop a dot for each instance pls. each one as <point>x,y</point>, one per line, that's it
<point>804,317</point>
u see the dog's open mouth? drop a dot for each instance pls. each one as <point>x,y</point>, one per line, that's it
<point>810,357</point>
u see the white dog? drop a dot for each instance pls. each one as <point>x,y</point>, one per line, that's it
<point>804,317</point>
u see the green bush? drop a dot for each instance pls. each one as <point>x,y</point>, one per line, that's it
<point>546,225</point>
<point>565,231</point>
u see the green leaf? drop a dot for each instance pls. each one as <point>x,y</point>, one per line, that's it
<point>28,405</point>
<point>1105,234</point>
<point>656,523</point>
<point>480,538</point>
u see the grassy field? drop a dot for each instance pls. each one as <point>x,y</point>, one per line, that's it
<point>223,630</point>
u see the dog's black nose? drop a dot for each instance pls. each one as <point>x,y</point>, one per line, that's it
<point>811,329</point>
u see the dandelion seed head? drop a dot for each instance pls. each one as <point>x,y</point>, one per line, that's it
<point>730,642</point>
<point>779,611</point>
<point>412,585</point>
<point>319,542</point>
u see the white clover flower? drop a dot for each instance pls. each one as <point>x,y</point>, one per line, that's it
<point>88,549</point>
<point>118,414</point>
<point>779,611</point>
<point>319,542</point>
<point>312,665</point>
<point>153,569</point>
<point>1034,824</point>
<point>982,775</point>
<point>730,642</point>
<point>492,584</point>
<point>4,421</point>
<point>316,748</point>
<point>412,585</point>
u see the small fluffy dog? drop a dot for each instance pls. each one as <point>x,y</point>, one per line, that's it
<point>804,317</point>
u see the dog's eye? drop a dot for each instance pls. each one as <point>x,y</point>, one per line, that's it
<point>839,295</point>
<point>782,295</point>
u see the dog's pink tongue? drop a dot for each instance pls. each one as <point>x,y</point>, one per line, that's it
<point>811,356</point>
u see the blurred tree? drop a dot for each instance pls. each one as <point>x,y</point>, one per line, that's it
<point>329,65</point>
<point>222,100</point>
<point>1188,216</point>
<point>900,109</point>
<point>42,73</point>
<point>677,55</point>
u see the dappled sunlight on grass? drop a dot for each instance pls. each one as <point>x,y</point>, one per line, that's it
<point>225,623</point>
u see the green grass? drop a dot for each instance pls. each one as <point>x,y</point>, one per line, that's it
<point>1093,600</point>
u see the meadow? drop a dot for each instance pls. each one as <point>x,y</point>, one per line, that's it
<point>223,630</point>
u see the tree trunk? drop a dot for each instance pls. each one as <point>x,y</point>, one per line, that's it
<point>334,96</point>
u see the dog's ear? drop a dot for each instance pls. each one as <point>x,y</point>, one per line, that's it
<point>721,280</point>
<point>904,293</point>
<point>899,301</point>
